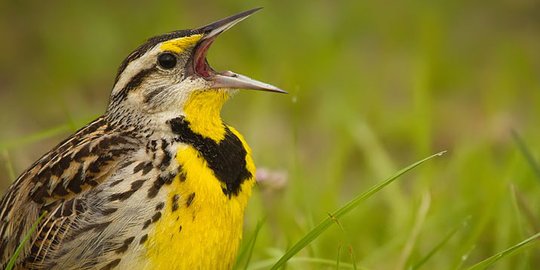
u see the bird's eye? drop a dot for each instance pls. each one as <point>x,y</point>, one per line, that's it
<point>167,60</point>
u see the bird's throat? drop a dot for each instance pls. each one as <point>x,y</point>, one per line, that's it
<point>203,111</point>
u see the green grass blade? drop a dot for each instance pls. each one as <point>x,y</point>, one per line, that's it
<point>252,242</point>
<point>423,209</point>
<point>13,258</point>
<point>34,137</point>
<point>443,242</point>
<point>247,248</point>
<point>353,258</point>
<point>327,222</point>
<point>263,265</point>
<point>526,153</point>
<point>338,260</point>
<point>507,252</point>
<point>9,166</point>
<point>44,134</point>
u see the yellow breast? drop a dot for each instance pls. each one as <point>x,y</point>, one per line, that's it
<point>200,227</point>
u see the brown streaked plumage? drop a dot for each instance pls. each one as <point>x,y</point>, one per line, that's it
<point>60,183</point>
<point>159,165</point>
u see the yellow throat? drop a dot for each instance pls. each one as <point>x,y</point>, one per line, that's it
<point>201,225</point>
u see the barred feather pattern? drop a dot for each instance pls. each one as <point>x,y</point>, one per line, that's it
<point>72,183</point>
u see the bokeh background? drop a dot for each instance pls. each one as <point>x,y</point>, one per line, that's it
<point>374,86</point>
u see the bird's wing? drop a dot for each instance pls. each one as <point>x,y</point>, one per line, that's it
<point>55,184</point>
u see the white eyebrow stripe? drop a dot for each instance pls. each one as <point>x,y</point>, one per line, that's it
<point>134,67</point>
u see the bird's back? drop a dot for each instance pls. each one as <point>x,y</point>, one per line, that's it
<point>68,183</point>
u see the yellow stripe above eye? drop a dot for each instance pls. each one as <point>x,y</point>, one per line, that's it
<point>178,45</point>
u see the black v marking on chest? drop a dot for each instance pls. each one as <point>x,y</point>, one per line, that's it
<point>226,158</point>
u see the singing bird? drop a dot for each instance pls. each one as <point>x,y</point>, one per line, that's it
<point>159,181</point>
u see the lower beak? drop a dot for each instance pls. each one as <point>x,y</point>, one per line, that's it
<point>225,79</point>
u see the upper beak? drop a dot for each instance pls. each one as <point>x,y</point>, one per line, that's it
<point>226,79</point>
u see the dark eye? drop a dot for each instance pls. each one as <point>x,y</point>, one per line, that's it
<point>167,60</point>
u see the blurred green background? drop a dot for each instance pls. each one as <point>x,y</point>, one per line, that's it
<point>374,86</point>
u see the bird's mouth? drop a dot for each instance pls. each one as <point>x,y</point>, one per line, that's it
<point>225,79</point>
<point>200,63</point>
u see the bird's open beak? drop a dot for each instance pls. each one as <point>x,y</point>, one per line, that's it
<point>225,79</point>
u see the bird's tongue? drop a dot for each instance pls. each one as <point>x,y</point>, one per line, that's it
<point>201,66</point>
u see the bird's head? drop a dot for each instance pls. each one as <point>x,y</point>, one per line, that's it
<point>170,76</point>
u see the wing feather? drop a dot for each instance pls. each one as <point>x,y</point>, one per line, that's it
<point>54,183</point>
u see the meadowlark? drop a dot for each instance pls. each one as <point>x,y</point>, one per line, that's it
<point>157,182</point>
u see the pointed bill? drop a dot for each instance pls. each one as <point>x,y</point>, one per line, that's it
<point>226,79</point>
<point>229,79</point>
<point>216,28</point>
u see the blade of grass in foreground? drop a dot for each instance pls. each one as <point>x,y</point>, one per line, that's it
<point>34,137</point>
<point>327,222</point>
<point>13,258</point>
<point>248,251</point>
<point>353,258</point>
<point>9,166</point>
<point>338,259</point>
<point>526,153</point>
<point>507,252</point>
<point>316,263</point>
<point>430,254</point>
<point>44,134</point>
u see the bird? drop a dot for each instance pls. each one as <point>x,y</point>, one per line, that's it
<point>159,181</point>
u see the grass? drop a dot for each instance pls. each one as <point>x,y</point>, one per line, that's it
<point>437,247</point>
<point>371,87</point>
<point>507,252</point>
<point>336,215</point>
<point>247,251</point>
<point>11,263</point>
<point>533,163</point>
